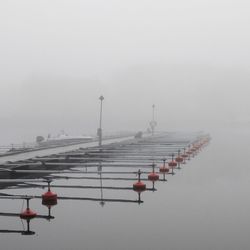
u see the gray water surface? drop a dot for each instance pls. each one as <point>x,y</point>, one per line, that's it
<point>205,206</point>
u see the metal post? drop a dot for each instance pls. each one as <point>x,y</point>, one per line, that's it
<point>49,186</point>
<point>101,98</point>
<point>153,119</point>
<point>28,203</point>
<point>139,175</point>
<point>102,202</point>
<point>179,154</point>
<point>164,174</point>
<point>153,122</point>
<point>153,114</point>
<point>172,166</point>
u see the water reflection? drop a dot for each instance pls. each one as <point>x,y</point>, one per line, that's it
<point>23,232</point>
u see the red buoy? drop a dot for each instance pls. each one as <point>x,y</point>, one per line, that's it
<point>179,159</point>
<point>27,214</point>
<point>172,164</point>
<point>139,186</point>
<point>164,169</point>
<point>153,177</point>
<point>184,156</point>
<point>49,198</point>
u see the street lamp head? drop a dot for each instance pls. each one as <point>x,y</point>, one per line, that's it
<point>101,98</point>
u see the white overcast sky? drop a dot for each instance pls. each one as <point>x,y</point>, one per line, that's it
<point>189,57</point>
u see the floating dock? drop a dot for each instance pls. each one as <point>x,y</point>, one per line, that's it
<point>131,165</point>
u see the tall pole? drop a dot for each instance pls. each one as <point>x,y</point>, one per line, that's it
<point>101,98</point>
<point>153,122</point>
<point>153,112</point>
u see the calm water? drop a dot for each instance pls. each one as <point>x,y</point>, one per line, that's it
<point>204,206</point>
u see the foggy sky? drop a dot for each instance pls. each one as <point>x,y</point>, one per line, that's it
<point>190,58</point>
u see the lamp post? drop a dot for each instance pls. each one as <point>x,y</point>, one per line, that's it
<point>153,123</point>
<point>99,131</point>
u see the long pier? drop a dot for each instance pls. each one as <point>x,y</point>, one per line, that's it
<point>112,173</point>
<point>152,159</point>
<point>115,156</point>
<point>45,151</point>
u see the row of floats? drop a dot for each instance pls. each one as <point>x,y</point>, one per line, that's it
<point>139,186</point>
<point>166,153</point>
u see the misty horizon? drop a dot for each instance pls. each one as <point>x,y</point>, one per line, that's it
<point>77,171</point>
<point>187,58</point>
